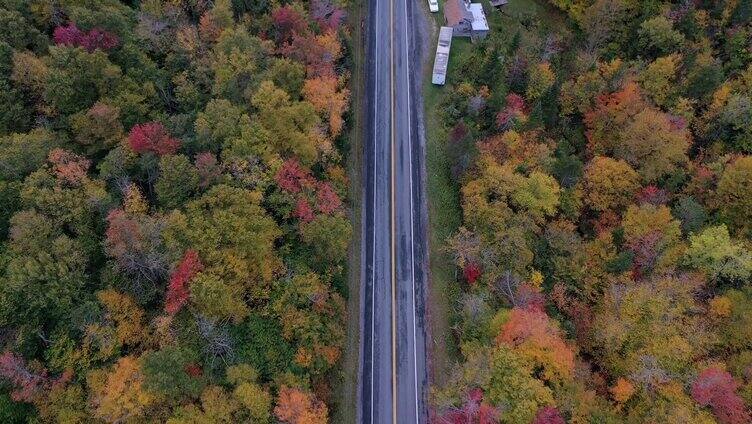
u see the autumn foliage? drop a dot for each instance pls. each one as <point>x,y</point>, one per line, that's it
<point>716,388</point>
<point>91,40</point>
<point>513,113</point>
<point>548,415</point>
<point>178,290</point>
<point>295,406</point>
<point>288,22</point>
<point>174,230</point>
<point>325,95</point>
<point>473,411</point>
<point>327,200</point>
<point>69,167</point>
<point>293,177</point>
<point>27,383</point>
<point>602,245</point>
<point>471,272</point>
<point>152,137</point>
<point>534,335</point>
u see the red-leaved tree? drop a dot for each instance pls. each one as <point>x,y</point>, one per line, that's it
<point>652,195</point>
<point>94,39</point>
<point>473,411</point>
<point>27,383</point>
<point>287,23</point>
<point>152,137</point>
<point>512,113</point>
<point>327,201</point>
<point>303,210</point>
<point>292,177</point>
<point>69,168</point>
<point>326,14</point>
<point>68,35</point>
<point>548,415</point>
<point>471,272</point>
<point>178,290</point>
<point>208,168</point>
<point>716,388</point>
<point>98,38</point>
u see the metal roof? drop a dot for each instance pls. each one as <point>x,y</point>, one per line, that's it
<point>479,17</point>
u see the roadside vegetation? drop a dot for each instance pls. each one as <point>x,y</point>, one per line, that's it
<point>174,223</point>
<point>596,163</point>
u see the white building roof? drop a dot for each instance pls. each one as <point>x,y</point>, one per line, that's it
<point>479,18</point>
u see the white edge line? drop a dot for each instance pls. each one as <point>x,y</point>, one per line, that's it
<point>373,206</point>
<point>412,219</point>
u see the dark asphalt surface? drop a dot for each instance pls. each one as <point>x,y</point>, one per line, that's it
<point>394,244</point>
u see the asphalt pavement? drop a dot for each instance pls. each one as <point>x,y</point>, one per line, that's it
<point>393,371</point>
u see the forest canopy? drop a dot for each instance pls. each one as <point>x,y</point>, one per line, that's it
<point>601,153</point>
<point>174,228</point>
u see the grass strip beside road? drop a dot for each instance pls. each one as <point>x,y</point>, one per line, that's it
<point>444,217</point>
<point>345,382</point>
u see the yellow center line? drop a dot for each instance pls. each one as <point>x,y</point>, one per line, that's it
<point>393,222</point>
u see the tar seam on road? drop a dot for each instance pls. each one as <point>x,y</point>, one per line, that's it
<point>373,224</point>
<point>393,221</point>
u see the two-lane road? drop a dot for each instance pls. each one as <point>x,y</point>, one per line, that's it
<point>393,351</point>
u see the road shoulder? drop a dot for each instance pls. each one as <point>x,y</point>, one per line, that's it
<point>346,383</point>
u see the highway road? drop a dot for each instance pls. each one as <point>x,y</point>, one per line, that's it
<point>393,371</point>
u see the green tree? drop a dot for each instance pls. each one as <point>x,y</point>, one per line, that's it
<point>735,328</point>
<point>735,195</point>
<point>513,385</point>
<point>658,36</point>
<point>287,75</point>
<point>18,32</point>
<point>237,59</point>
<point>736,119</point>
<point>233,235</point>
<point>328,237</point>
<point>260,343</point>
<point>178,180</point>
<point>691,214</point>
<point>173,373</point>
<point>16,116</point>
<point>311,319</point>
<point>485,199</point>
<point>540,80</point>
<point>217,407</point>
<point>217,298</point>
<point>44,274</point>
<point>97,129</point>
<point>21,154</point>
<point>537,195</point>
<point>713,252</point>
<point>659,79</point>
<point>291,122</point>
<point>218,124</point>
<point>77,78</point>
<point>9,204</point>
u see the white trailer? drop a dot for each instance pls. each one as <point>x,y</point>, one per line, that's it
<point>441,61</point>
